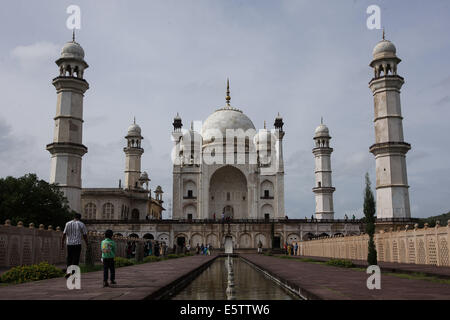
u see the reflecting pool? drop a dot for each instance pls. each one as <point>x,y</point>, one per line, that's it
<point>249,284</point>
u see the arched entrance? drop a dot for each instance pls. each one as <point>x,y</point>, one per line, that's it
<point>135,214</point>
<point>228,193</point>
<point>228,212</point>
<point>148,236</point>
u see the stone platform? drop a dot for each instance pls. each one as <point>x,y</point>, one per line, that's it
<point>136,282</point>
<point>315,281</point>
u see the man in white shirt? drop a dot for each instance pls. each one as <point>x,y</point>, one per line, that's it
<point>74,232</point>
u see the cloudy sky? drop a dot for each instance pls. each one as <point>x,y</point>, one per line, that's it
<point>304,59</point>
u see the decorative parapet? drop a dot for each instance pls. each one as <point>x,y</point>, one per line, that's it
<point>427,245</point>
<point>25,246</point>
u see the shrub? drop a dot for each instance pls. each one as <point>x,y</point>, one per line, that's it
<point>122,262</point>
<point>172,256</point>
<point>308,260</point>
<point>340,263</point>
<point>34,272</point>
<point>152,259</point>
<point>89,268</point>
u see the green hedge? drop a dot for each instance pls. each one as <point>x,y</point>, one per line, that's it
<point>33,272</point>
<point>123,262</point>
<point>340,263</point>
<point>152,259</point>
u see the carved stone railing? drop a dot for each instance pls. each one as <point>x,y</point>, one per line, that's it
<point>411,245</point>
<point>21,245</point>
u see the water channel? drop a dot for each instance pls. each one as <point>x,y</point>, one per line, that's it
<point>249,284</point>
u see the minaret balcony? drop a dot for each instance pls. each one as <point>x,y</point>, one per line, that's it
<point>67,147</point>
<point>389,81</point>
<point>324,189</point>
<point>73,83</point>
<point>390,147</point>
<point>322,150</point>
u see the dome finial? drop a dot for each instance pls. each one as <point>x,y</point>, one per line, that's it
<point>73,35</point>
<point>321,120</point>
<point>228,98</point>
<point>134,120</point>
<point>265,124</point>
<point>383,34</point>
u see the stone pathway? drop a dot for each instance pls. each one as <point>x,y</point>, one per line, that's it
<point>317,281</point>
<point>133,283</point>
<point>430,270</point>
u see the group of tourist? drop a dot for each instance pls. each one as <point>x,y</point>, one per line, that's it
<point>73,233</point>
<point>291,249</point>
<point>203,250</point>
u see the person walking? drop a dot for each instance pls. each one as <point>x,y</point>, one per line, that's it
<point>285,248</point>
<point>202,249</point>
<point>108,247</point>
<point>260,246</point>
<point>156,249</point>
<point>296,248</point>
<point>150,247</point>
<point>74,232</point>
<point>197,249</point>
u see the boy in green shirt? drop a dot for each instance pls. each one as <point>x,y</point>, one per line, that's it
<point>108,247</point>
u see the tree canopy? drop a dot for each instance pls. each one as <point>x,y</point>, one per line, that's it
<point>29,199</point>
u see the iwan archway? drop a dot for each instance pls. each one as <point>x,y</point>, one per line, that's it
<point>228,193</point>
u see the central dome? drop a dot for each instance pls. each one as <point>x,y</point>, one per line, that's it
<point>223,119</point>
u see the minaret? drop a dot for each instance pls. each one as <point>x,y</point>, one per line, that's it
<point>279,135</point>
<point>389,148</point>
<point>67,148</point>
<point>323,189</point>
<point>177,185</point>
<point>133,153</point>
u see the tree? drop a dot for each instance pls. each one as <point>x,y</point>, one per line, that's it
<point>29,199</point>
<point>369,217</point>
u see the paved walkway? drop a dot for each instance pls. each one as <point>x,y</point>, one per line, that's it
<point>133,283</point>
<point>441,272</point>
<point>317,281</point>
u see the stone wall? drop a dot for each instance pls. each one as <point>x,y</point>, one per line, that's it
<point>21,245</point>
<point>410,245</point>
<point>245,233</point>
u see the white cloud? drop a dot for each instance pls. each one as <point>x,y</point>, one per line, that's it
<point>34,55</point>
